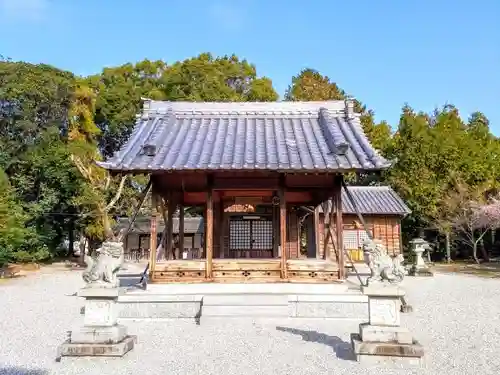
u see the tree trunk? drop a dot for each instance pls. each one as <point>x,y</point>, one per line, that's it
<point>484,252</point>
<point>447,246</point>
<point>71,238</point>
<point>83,245</point>
<point>108,232</point>
<point>474,252</point>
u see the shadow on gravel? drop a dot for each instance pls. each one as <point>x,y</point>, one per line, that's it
<point>342,349</point>
<point>21,371</point>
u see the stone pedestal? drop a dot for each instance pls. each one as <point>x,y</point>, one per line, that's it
<point>100,334</point>
<point>382,339</point>
<point>420,268</point>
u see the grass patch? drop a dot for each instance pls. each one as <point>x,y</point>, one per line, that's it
<point>488,270</point>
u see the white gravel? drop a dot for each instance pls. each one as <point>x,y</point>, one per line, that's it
<point>456,318</point>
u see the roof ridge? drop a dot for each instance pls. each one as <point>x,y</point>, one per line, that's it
<point>337,106</point>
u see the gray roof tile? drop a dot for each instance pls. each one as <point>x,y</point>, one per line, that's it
<point>373,200</point>
<point>277,136</point>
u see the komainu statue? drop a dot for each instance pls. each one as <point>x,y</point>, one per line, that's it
<point>382,266</point>
<point>101,272</point>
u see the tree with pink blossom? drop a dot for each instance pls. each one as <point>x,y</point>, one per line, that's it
<point>471,216</point>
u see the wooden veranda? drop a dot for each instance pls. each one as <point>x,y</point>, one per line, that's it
<point>250,167</point>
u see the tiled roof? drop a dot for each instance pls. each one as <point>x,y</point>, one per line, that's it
<point>276,136</point>
<point>192,225</point>
<point>373,200</point>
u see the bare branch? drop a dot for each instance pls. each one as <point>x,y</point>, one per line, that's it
<point>117,195</point>
<point>79,165</point>
<point>108,182</point>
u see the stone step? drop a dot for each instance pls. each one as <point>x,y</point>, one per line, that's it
<point>148,305</point>
<point>245,300</point>
<point>245,311</point>
<point>247,288</point>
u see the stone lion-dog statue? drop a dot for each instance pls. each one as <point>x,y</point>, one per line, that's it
<point>101,272</point>
<point>383,267</point>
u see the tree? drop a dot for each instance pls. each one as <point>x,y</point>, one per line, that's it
<point>473,216</point>
<point>226,78</point>
<point>84,152</point>
<point>34,103</point>
<point>413,175</point>
<point>310,85</point>
<point>120,90</point>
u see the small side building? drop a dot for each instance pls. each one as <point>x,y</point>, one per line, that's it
<point>382,209</point>
<point>137,242</point>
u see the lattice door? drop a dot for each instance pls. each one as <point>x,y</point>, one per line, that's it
<point>354,238</point>
<point>240,235</point>
<point>262,235</point>
<point>250,238</point>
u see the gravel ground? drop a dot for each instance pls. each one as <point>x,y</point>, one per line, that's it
<point>456,318</point>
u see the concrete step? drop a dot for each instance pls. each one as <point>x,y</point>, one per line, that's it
<point>245,305</point>
<point>139,304</point>
<point>247,288</point>
<point>260,299</point>
<point>245,311</point>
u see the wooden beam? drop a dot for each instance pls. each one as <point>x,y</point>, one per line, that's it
<point>316,232</point>
<point>209,214</point>
<point>181,228</point>
<point>245,183</point>
<point>282,199</point>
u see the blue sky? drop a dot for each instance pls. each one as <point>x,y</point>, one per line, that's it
<point>385,53</point>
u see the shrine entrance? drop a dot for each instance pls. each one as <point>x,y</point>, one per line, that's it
<point>250,236</point>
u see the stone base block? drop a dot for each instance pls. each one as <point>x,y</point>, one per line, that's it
<point>384,360</point>
<point>99,335</point>
<point>380,289</point>
<point>70,349</point>
<point>400,335</point>
<point>387,352</point>
<point>421,272</point>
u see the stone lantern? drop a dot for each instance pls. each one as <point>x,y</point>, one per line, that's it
<point>419,246</point>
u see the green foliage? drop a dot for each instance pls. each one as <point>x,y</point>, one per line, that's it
<point>120,90</point>
<point>17,242</point>
<point>310,85</point>
<point>205,78</point>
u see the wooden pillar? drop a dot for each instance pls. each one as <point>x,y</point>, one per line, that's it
<point>163,239</point>
<point>327,235</point>
<point>209,215</point>
<point>330,236</point>
<point>169,225</point>
<point>283,227</point>
<point>339,225</point>
<point>222,229</point>
<point>152,238</point>
<point>276,231</point>
<point>181,228</point>
<point>316,232</point>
